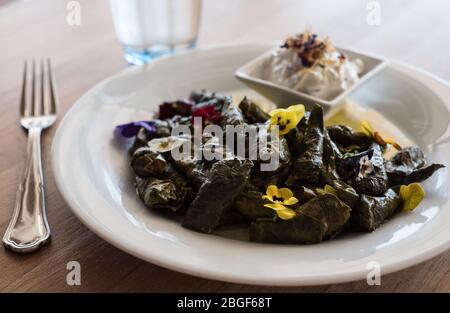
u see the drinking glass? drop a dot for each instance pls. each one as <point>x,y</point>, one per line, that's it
<point>152,28</point>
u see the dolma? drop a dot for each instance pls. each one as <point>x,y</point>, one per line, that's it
<point>213,145</point>
<point>171,172</point>
<point>373,211</point>
<point>330,210</point>
<point>346,193</point>
<point>232,217</point>
<point>208,193</point>
<point>252,112</point>
<point>346,138</point>
<point>318,219</point>
<point>304,194</point>
<point>147,163</point>
<point>161,194</point>
<point>329,158</point>
<point>225,182</point>
<point>308,167</point>
<point>276,176</point>
<point>409,166</point>
<point>348,167</point>
<point>204,98</point>
<point>231,115</point>
<point>375,181</point>
<point>295,136</point>
<point>141,139</point>
<point>251,204</point>
<point>195,170</point>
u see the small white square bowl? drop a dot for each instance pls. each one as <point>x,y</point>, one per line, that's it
<point>251,74</point>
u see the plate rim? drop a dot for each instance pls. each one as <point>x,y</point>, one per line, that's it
<point>302,280</point>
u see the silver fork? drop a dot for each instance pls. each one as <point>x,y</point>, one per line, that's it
<point>28,229</point>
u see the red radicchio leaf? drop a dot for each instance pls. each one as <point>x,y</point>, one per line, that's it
<point>208,113</point>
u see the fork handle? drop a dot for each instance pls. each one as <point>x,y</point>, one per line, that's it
<point>28,229</point>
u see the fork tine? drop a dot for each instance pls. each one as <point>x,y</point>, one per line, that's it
<point>43,110</point>
<point>34,105</point>
<point>53,101</point>
<point>23,100</point>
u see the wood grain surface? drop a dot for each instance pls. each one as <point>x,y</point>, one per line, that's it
<point>412,31</point>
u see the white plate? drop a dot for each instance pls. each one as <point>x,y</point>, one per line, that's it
<point>92,173</point>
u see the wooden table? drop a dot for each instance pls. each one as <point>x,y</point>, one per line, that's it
<point>413,31</point>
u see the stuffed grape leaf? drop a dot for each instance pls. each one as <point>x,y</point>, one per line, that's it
<point>320,218</point>
<point>204,98</point>
<point>347,139</point>
<point>250,204</point>
<point>275,150</point>
<point>295,136</point>
<point>308,167</point>
<point>329,158</point>
<point>375,181</point>
<point>348,167</point>
<point>338,176</point>
<point>373,211</point>
<point>225,182</point>
<point>252,113</point>
<point>147,163</point>
<point>195,170</point>
<point>231,115</point>
<point>346,193</point>
<point>409,166</point>
<point>161,194</point>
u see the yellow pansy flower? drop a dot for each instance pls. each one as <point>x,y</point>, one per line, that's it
<point>280,198</point>
<point>287,119</point>
<point>411,195</point>
<point>367,129</point>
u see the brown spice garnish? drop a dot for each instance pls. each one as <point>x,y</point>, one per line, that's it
<point>396,145</point>
<point>381,141</point>
<point>378,139</point>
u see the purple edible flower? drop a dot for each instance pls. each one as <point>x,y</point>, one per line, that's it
<point>310,42</point>
<point>131,129</point>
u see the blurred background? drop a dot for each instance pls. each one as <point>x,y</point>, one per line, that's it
<point>414,31</point>
<point>81,39</point>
